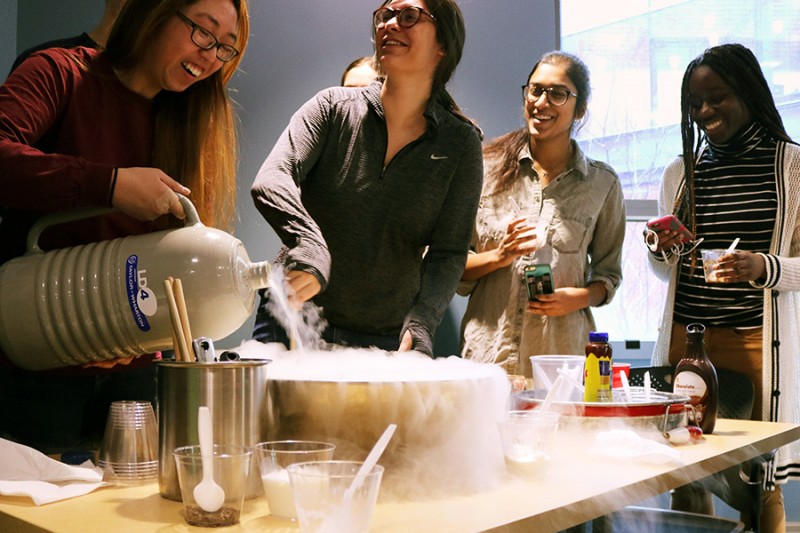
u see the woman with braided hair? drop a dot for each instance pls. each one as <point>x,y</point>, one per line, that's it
<point>737,178</point>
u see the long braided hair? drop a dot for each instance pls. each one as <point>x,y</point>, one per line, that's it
<point>739,68</point>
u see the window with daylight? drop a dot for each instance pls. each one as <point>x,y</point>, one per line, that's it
<point>637,52</point>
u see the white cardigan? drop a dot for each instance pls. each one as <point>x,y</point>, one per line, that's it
<point>781,367</point>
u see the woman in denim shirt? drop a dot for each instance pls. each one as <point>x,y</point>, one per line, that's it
<point>538,176</point>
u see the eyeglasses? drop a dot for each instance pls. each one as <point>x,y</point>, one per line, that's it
<point>406,17</point>
<point>555,95</point>
<point>206,40</point>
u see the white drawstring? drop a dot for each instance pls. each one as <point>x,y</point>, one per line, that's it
<point>677,250</point>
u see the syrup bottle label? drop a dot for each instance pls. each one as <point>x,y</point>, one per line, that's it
<point>597,379</point>
<point>692,385</point>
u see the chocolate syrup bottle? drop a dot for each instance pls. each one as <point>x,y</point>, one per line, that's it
<point>696,378</point>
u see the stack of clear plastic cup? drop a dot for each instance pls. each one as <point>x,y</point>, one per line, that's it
<point>129,452</point>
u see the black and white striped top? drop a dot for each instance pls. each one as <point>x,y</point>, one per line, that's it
<point>736,196</point>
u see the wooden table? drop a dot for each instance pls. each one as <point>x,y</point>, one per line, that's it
<point>574,488</point>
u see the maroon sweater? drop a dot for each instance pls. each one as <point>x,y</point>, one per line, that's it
<point>65,122</point>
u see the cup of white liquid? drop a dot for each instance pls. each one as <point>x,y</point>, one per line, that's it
<point>273,459</point>
<point>332,496</point>
<point>527,438</point>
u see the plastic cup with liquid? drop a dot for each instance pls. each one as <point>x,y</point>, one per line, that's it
<point>320,492</point>
<point>527,438</point>
<point>710,260</point>
<point>273,460</point>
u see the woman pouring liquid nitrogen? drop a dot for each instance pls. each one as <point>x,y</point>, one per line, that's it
<point>127,127</point>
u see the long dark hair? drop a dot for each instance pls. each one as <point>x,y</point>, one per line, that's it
<point>740,70</point>
<point>506,148</point>
<point>195,131</point>
<point>451,34</point>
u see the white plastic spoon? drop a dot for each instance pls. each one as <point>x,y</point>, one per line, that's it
<point>370,462</point>
<point>732,247</point>
<point>208,495</point>
<point>540,378</point>
<point>626,387</point>
<point>567,375</point>
<point>341,517</point>
<point>551,394</point>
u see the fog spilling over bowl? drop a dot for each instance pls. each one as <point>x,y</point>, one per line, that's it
<point>446,411</point>
<point>662,410</point>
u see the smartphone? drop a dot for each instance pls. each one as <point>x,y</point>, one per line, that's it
<point>670,222</point>
<point>539,280</point>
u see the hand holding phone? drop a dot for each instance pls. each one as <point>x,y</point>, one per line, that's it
<point>539,280</point>
<point>670,222</point>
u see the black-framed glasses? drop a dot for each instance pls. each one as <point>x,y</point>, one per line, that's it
<point>206,40</point>
<point>406,17</point>
<point>555,95</point>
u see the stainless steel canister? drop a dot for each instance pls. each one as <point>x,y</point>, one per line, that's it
<point>236,393</point>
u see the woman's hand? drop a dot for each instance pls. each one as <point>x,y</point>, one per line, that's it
<point>517,241</point>
<point>666,240</point>
<point>302,287</point>
<point>563,301</point>
<point>740,266</point>
<point>567,300</point>
<point>147,193</point>
<point>407,343</point>
<point>108,364</point>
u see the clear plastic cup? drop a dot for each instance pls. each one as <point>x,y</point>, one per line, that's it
<point>535,233</point>
<point>274,458</point>
<point>527,438</point>
<point>319,493</point>
<point>231,471</point>
<point>710,260</point>
<point>129,451</point>
<point>545,369</point>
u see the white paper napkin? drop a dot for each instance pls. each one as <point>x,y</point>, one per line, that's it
<point>627,445</point>
<point>28,472</point>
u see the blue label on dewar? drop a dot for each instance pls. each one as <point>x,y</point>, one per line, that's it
<point>132,287</point>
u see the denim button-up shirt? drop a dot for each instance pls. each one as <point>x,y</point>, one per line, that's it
<point>583,212</point>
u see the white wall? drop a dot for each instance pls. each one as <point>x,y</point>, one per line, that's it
<point>8,35</point>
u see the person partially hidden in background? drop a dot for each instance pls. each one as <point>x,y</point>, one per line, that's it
<point>362,180</point>
<point>360,73</point>
<point>96,38</point>
<point>538,176</point>
<point>128,127</point>
<point>738,177</point>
